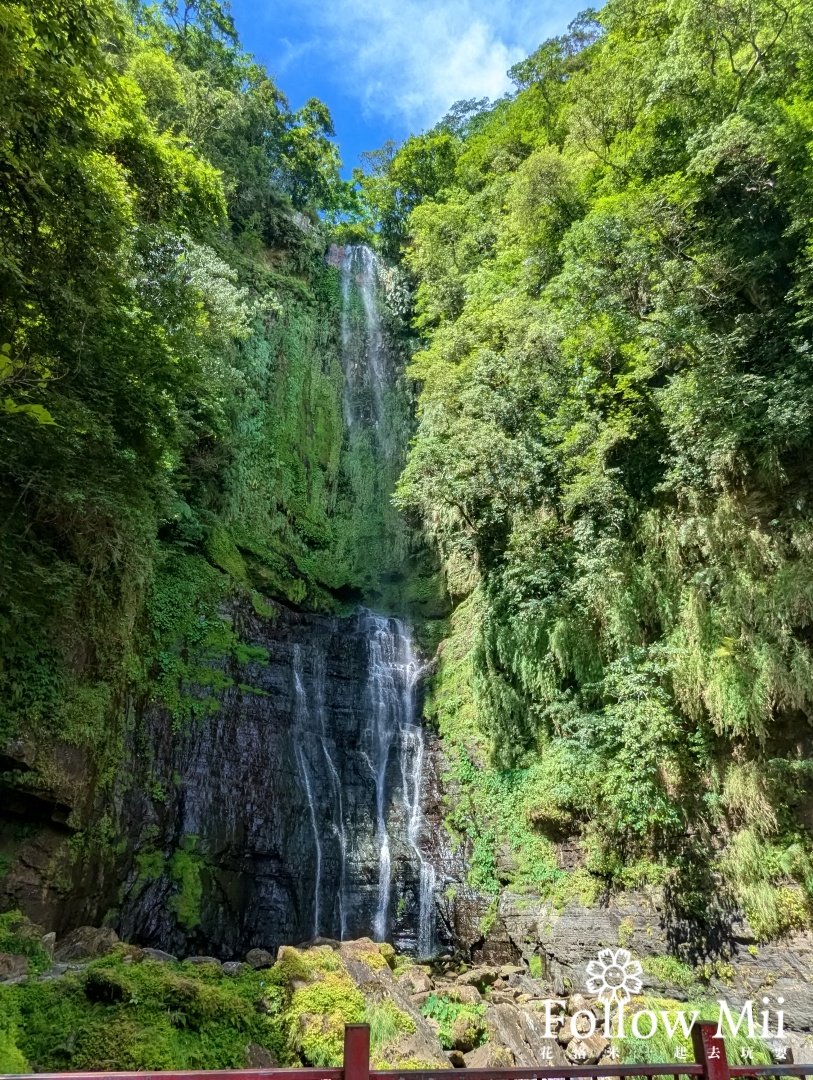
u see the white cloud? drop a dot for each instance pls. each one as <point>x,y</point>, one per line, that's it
<point>409,60</point>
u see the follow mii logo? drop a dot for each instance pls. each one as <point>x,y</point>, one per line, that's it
<point>614,978</point>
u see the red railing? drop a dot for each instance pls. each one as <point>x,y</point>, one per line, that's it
<point>710,1063</point>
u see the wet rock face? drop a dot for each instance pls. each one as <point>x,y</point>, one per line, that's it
<point>261,823</point>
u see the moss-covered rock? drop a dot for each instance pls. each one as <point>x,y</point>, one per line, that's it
<point>129,1011</point>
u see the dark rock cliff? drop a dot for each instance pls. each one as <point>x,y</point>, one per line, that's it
<point>260,824</point>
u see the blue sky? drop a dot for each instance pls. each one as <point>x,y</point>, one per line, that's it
<point>387,68</point>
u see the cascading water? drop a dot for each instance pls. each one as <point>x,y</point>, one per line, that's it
<point>393,672</point>
<point>392,682</point>
<point>301,724</point>
<point>392,746</point>
<point>393,666</point>
<point>364,359</point>
<point>390,743</point>
<point>308,794</point>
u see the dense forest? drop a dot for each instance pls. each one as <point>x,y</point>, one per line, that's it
<point>602,526</point>
<point>172,390</point>
<point>612,271</point>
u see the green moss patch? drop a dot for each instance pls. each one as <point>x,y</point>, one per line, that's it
<point>123,1014</point>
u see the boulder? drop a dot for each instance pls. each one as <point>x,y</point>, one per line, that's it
<point>456,1059</point>
<point>202,960</point>
<point>55,972</point>
<point>12,966</point>
<point>781,1051</point>
<point>571,1027</point>
<point>586,1051</point>
<point>479,977</point>
<point>388,953</point>
<point>414,980</point>
<point>489,1056</point>
<point>260,1057</point>
<point>233,967</point>
<point>421,1045</point>
<point>800,1047</point>
<point>366,952</point>
<point>527,985</point>
<point>361,966</point>
<point>332,943</point>
<point>466,995</point>
<point>259,959</point>
<point>159,956</point>
<point>86,943</point>
<point>501,997</point>
<point>466,1032</point>
<point>521,1031</point>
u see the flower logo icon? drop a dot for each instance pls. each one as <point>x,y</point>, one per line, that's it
<point>614,976</point>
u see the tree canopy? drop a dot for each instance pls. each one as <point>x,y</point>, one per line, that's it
<point>613,280</point>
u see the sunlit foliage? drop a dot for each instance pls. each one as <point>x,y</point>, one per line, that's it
<point>613,283</point>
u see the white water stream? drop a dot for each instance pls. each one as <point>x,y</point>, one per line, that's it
<point>392,739</point>
<point>393,728</point>
<point>363,353</point>
<point>392,744</point>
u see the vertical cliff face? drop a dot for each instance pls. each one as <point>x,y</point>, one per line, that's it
<point>295,809</point>
<point>274,779</point>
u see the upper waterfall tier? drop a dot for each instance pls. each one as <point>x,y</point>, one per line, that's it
<point>364,353</point>
<point>373,400</point>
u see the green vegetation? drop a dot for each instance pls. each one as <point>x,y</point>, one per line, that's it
<point>185,870</point>
<point>449,1012</point>
<point>166,307</point>
<point>669,969</point>
<point>740,1049</point>
<point>172,386</point>
<point>612,283</point>
<point>127,1012</point>
<point>120,1014</point>
<point>387,1024</point>
<point>19,937</point>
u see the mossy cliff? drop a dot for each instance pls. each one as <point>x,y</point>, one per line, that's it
<point>613,289</point>
<point>174,439</point>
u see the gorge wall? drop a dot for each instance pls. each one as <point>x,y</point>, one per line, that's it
<point>296,807</point>
<point>270,778</point>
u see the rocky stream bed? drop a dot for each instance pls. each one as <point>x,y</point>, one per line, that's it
<point>289,1007</point>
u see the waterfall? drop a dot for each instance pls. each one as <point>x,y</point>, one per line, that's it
<point>364,359</point>
<point>393,726</point>
<point>338,826</point>
<point>301,718</point>
<point>412,754</point>
<point>391,743</point>
<point>363,783</point>
<point>305,711</point>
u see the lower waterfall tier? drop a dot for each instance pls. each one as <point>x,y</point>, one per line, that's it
<point>293,808</point>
